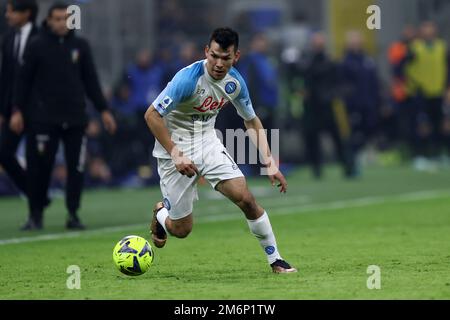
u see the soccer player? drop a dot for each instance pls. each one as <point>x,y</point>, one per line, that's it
<point>182,120</point>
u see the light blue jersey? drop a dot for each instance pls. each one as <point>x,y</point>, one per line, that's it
<point>190,104</point>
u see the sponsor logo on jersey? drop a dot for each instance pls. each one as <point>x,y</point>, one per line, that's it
<point>230,87</point>
<point>202,117</point>
<point>209,104</point>
<point>200,91</point>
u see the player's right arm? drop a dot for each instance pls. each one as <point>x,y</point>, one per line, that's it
<point>178,90</point>
<point>156,124</point>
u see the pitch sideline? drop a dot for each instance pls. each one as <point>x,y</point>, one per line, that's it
<point>340,204</point>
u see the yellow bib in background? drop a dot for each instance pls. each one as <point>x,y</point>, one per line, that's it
<point>427,72</point>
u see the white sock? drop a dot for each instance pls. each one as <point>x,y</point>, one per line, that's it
<point>161,216</point>
<point>262,230</point>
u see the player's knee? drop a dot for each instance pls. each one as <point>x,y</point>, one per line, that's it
<point>181,231</point>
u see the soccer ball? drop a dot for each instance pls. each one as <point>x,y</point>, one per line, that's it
<point>133,255</point>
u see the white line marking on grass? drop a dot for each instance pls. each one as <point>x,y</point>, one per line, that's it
<point>280,210</point>
<point>341,204</point>
<point>72,234</point>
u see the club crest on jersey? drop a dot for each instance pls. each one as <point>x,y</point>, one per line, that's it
<point>230,87</point>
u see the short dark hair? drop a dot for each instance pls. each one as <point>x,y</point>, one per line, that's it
<point>56,6</point>
<point>225,37</point>
<point>24,5</point>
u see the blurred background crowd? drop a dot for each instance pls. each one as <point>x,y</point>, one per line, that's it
<point>337,91</point>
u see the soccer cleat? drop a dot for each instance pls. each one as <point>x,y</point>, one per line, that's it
<point>281,266</point>
<point>31,225</point>
<point>159,235</point>
<point>74,223</point>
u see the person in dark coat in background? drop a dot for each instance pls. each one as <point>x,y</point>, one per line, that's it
<point>57,75</point>
<point>21,17</point>
<point>320,78</point>
<point>361,90</point>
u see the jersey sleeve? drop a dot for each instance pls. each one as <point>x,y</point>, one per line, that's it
<point>242,102</point>
<point>178,90</point>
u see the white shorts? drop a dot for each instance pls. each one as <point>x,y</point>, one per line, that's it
<point>180,191</point>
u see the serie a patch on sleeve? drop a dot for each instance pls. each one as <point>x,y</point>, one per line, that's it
<point>166,102</point>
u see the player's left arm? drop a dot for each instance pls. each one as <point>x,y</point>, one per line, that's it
<point>255,129</point>
<point>258,136</point>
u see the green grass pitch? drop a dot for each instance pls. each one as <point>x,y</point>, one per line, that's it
<point>395,218</point>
